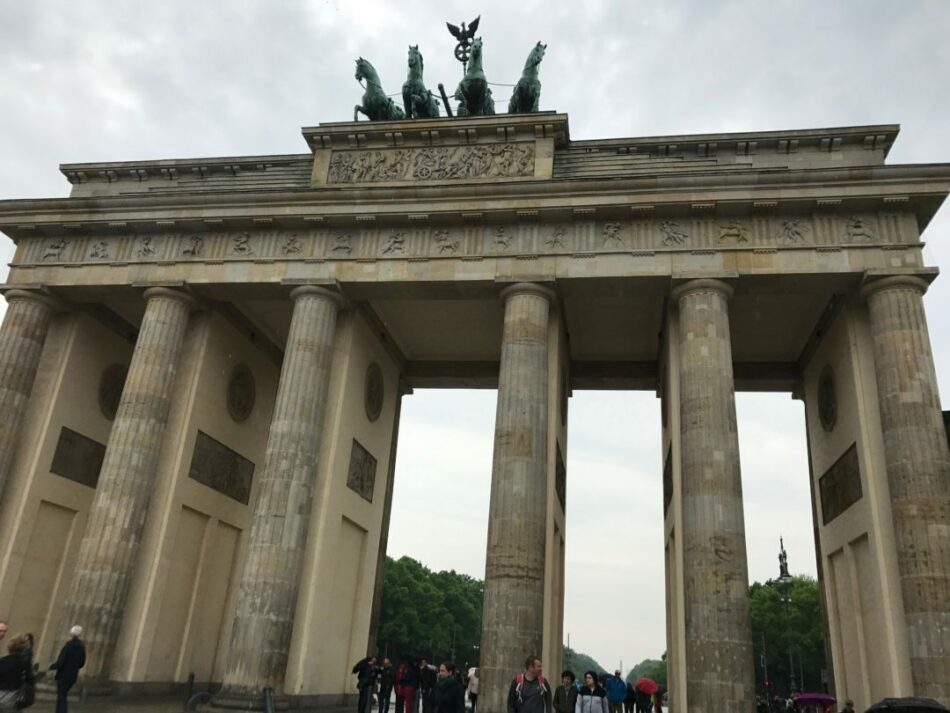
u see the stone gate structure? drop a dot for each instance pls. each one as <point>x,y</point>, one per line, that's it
<point>202,363</point>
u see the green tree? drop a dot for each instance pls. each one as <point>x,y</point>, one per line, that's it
<point>433,614</point>
<point>773,636</point>
<point>578,663</point>
<point>650,668</point>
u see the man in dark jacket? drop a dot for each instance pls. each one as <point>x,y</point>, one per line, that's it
<point>387,677</point>
<point>529,692</point>
<point>565,697</point>
<point>72,657</point>
<point>365,670</point>
<point>427,680</point>
<point>616,692</point>
<point>449,696</point>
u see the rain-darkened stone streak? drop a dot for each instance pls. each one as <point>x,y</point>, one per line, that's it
<point>22,336</point>
<point>512,620</point>
<point>715,589</point>
<point>267,591</point>
<point>918,473</point>
<point>109,548</point>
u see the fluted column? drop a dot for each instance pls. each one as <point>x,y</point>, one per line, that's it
<point>918,473</point>
<point>22,336</point>
<point>512,617</point>
<point>267,592</point>
<point>109,549</point>
<point>719,669</point>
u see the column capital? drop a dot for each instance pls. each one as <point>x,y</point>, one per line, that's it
<point>528,288</point>
<point>318,291</point>
<point>35,296</point>
<point>895,282</point>
<point>154,292</point>
<point>702,284</point>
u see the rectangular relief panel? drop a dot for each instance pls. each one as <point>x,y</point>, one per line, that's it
<point>840,486</point>
<point>217,466</point>
<point>361,476</point>
<point>41,571</point>
<point>178,595</point>
<point>78,458</point>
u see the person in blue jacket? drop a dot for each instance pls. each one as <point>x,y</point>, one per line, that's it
<point>616,692</point>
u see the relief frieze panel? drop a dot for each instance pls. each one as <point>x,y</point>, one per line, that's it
<point>512,160</point>
<point>584,235</point>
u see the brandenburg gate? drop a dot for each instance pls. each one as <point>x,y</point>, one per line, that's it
<point>202,364</point>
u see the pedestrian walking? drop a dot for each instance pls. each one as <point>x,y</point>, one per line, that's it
<point>448,696</point>
<point>72,657</point>
<point>472,688</point>
<point>616,692</point>
<point>17,683</point>
<point>529,692</point>
<point>630,702</point>
<point>427,680</point>
<point>365,670</point>
<point>565,697</point>
<point>643,701</point>
<point>397,687</point>
<point>592,698</point>
<point>387,679</point>
<point>410,684</point>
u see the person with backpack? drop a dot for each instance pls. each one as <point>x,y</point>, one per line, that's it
<point>365,670</point>
<point>529,692</point>
<point>592,698</point>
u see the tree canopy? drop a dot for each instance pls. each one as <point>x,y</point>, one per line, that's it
<point>651,668</point>
<point>772,636</point>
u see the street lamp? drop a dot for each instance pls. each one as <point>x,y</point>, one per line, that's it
<point>785,579</point>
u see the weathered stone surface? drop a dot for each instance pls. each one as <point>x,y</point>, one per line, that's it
<point>22,335</point>
<point>918,473</point>
<point>719,673</point>
<point>267,591</point>
<point>109,548</point>
<point>512,619</point>
<point>220,468</point>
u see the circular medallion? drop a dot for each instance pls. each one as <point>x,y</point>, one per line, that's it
<point>111,384</point>
<point>827,399</point>
<point>241,393</point>
<point>374,391</point>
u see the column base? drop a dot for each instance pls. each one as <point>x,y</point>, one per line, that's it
<point>46,690</point>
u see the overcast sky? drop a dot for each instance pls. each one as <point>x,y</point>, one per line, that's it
<point>113,80</point>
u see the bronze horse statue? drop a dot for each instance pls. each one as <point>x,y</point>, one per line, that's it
<point>473,94</point>
<point>376,105</point>
<point>527,92</point>
<point>417,100</point>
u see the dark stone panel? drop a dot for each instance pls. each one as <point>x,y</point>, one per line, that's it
<point>217,466</point>
<point>361,477</point>
<point>667,480</point>
<point>560,479</point>
<point>840,486</point>
<point>78,458</point>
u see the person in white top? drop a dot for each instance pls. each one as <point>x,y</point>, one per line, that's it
<point>472,689</point>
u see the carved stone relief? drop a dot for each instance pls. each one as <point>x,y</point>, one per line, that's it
<point>374,391</point>
<point>556,240</point>
<point>434,163</point>
<point>361,476</point>
<point>215,465</point>
<point>342,244</point>
<point>55,249</point>
<point>291,245</point>
<point>502,238</point>
<point>78,458</point>
<point>444,243</point>
<point>791,230</point>
<point>395,243</point>
<point>241,244</point>
<point>733,230</point>
<point>111,384</point>
<point>611,234</point>
<point>840,486</point>
<point>99,250</point>
<point>672,233</point>
<point>858,230</point>
<point>242,393</point>
<point>146,247</point>
<point>194,247</point>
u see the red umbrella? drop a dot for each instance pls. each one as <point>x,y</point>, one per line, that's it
<point>647,685</point>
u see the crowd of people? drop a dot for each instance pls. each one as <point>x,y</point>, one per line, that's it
<point>420,687</point>
<point>18,672</point>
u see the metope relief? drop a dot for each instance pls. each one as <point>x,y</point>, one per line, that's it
<point>444,243</point>
<point>792,230</point>
<point>55,249</point>
<point>858,230</point>
<point>611,235</point>
<point>433,163</point>
<point>361,476</point>
<point>672,234</point>
<point>734,231</point>
<point>194,246</point>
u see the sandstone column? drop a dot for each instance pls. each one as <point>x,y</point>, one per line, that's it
<point>719,668</point>
<point>109,548</point>
<point>513,611</point>
<point>918,473</point>
<point>22,336</point>
<point>267,592</point>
